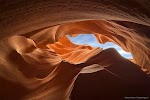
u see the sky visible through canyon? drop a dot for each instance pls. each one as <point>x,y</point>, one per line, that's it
<point>89,39</point>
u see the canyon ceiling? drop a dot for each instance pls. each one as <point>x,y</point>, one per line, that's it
<point>36,55</point>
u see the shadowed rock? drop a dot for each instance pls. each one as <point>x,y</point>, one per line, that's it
<point>37,60</point>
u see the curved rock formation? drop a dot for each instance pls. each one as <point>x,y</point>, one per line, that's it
<point>36,54</point>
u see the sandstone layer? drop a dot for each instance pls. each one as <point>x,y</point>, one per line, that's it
<point>37,56</point>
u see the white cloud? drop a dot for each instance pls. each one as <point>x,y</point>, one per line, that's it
<point>123,52</point>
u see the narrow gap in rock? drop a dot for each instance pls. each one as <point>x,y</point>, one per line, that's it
<point>89,39</point>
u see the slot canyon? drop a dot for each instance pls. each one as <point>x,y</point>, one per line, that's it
<point>38,60</point>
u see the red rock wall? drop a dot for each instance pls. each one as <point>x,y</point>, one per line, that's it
<point>36,54</point>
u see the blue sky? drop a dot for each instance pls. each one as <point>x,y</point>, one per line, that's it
<point>91,40</point>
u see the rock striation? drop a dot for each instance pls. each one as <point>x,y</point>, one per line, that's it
<point>38,61</point>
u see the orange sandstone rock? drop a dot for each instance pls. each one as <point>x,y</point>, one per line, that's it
<point>36,55</point>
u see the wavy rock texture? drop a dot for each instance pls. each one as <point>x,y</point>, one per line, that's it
<point>38,57</point>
